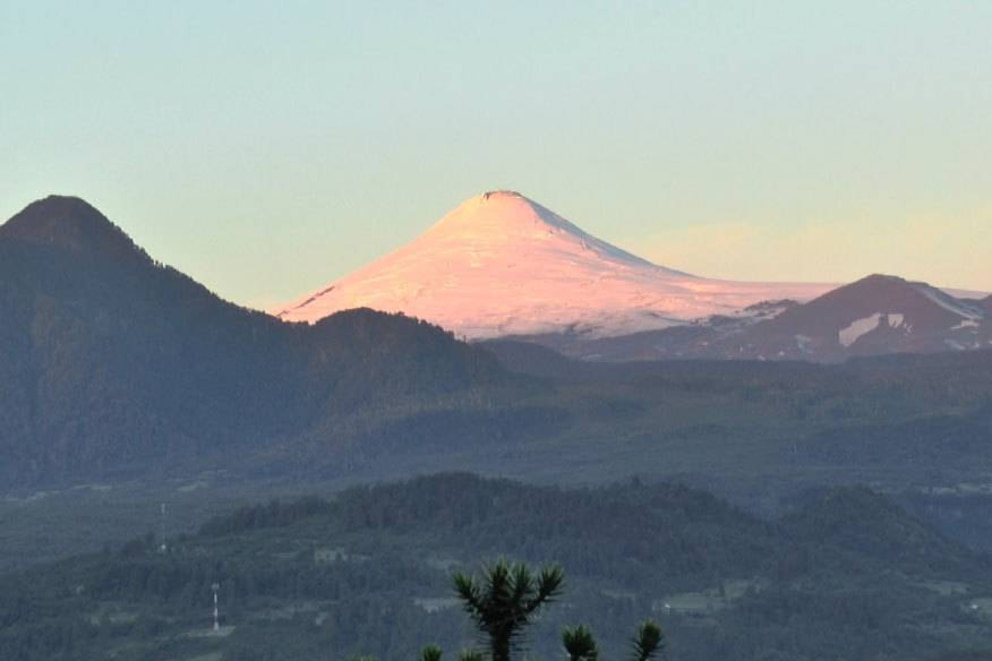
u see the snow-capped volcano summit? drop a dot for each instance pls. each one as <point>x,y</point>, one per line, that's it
<point>506,218</point>
<point>501,264</point>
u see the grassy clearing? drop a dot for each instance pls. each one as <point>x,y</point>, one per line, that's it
<point>706,602</point>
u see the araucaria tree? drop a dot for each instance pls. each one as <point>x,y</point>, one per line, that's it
<point>648,641</point>
<point>503,602</point>
<point>579,644</point>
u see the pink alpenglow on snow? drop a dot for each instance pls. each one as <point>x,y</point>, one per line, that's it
<point>501,264</point>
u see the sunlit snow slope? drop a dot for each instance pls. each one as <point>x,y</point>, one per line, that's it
<point>501,264</point>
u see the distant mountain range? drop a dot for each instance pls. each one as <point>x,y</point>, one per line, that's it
<point>113,367</point>
<point>501,265</point>
<point>876,315</point>
<point>122,376</point>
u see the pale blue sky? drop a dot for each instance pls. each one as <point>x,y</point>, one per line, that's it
<point>267,148</point>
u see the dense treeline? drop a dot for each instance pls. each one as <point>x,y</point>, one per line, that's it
<point>369,572</point>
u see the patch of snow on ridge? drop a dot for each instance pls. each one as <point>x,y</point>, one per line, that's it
<point>848,336</point>
<point>895,320</point>
<point>949,303</point>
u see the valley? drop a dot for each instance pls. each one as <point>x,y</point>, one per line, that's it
<point>368,570</point>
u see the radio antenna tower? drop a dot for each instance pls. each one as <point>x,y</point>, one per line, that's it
<point>216,587</point>
<point>161,533</point>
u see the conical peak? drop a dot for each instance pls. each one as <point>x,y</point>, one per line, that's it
<point>509,220</point>
<point>52,212</point>
<point>501,216</point>
<point>501,207</point>
<point>69,223</point>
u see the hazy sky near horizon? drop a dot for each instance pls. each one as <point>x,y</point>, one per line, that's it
<point>267,148</point>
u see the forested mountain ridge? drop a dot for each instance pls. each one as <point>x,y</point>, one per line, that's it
<point>369,571</point>
<point>112,364</point>
<point>114,367</point>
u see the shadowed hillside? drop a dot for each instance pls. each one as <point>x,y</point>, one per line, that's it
<point>114,365</point>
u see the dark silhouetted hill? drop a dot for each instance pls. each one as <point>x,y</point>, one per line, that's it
<point>112,364</point>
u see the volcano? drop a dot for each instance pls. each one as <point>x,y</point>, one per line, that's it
<point>503,265</point>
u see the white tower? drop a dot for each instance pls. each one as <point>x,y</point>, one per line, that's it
<point>161,533</point>
<point>216,587</point>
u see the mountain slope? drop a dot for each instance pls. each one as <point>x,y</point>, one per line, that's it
<point>501,264</point>
<point>111,364</point>
<point>876,315</point>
